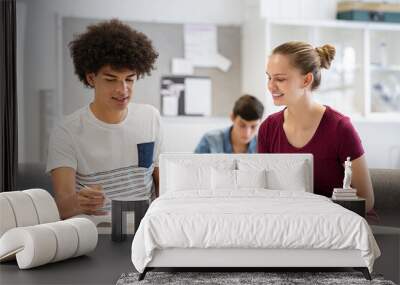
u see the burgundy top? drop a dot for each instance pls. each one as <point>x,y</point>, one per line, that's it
<point>334,140</point>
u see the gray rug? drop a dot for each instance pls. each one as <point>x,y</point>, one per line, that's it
<point>229,278</point>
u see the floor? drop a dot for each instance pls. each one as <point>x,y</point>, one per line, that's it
<point>388,263</point>
<point>102,266</point>
<point>110,260</point>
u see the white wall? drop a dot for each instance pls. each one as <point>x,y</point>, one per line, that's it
<point>41,53</point>
<point>183,134</point>
<point>255,36</point>
<point>41,59</point>
<point>298,9</point>
<point>381,141</point>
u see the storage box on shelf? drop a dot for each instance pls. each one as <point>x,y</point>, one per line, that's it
<point>370,11</point>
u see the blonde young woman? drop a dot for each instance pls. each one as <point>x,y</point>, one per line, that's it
<point>305,126</point>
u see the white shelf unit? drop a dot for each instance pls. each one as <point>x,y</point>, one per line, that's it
<point>360,68</point>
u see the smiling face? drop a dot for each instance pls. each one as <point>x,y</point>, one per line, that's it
<point>285,82</point>
<point>113,88</point>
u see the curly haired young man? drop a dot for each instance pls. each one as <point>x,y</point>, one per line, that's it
<point>108,149</point>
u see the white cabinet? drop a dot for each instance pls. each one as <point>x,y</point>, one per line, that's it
<point>364,78</point>
<point>385,70</point>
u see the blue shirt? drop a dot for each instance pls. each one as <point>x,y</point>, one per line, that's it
<point>219,141</point>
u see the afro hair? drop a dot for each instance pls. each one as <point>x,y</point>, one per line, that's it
<point>112,43</point>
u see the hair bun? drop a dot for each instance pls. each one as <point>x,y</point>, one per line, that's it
<point>326,54</point>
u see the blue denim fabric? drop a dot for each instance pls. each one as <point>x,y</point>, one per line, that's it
<point>145,154</point>
<point>219,141</point>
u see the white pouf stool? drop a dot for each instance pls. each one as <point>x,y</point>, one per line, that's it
<point>31,231</point>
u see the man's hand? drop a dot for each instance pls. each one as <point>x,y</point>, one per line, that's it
<point>70,203</point>
<point>91,199</point>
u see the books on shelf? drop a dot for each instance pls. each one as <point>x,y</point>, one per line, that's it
<point>336,197</point>
<point>341,190</point>
<point>344,194</point>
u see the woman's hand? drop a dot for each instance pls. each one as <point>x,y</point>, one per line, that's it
<point>361,180</point>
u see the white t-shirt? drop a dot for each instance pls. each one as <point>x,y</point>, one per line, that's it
<point>120,157</point>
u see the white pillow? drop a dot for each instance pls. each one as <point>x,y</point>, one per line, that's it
<point>183,177</point>
<point>281,173</point>
<point>251,178</point>
<point>292,180</point>
<point>223,179</point>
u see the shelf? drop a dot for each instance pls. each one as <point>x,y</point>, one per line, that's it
<point>376,117</point>
<point>340,67</point>
<point>195,119</point>
<point>389,68</point>
<point>320,23</point>
<point>332,89</point>
<point>382,117</point>
<point>376,26</point>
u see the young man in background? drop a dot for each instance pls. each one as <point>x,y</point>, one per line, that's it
<point>240,137</point>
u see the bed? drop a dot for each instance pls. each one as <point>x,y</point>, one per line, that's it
<point>247,210</point>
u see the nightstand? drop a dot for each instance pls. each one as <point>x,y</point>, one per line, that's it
<point>119,211</point>
<point>357,205</point>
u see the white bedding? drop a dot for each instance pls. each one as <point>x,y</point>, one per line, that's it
<point>252,218</point>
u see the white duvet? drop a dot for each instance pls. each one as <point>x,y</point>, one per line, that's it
<point>253,218</point>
